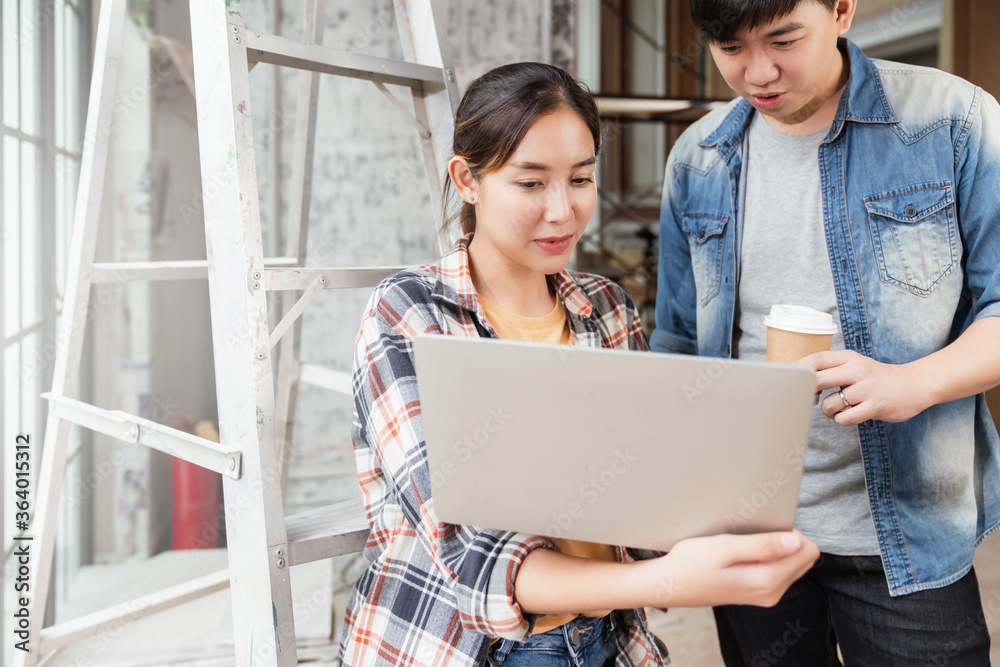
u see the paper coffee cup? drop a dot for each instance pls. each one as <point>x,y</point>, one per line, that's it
<point>794,332</point>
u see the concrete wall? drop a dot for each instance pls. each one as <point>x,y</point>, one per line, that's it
<point>370,202</point>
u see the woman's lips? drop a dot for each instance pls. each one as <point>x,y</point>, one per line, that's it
<point>554,244</point>
<point>768,101</point>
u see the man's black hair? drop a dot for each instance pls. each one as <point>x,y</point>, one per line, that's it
<point>720,20</point>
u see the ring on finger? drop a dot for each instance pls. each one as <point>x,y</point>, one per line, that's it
<point>847,405</point>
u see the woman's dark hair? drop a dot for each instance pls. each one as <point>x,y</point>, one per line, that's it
<point>498,109</point>
<point>720,20</point>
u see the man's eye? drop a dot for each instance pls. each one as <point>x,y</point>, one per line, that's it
<point>782,45</point>
<point>729,50</point>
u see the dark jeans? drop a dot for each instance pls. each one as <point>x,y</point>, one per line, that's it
<point>844,601</point>
<point>583,642</point>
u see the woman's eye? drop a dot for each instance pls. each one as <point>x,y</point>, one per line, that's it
<point>530,185</point>
<point>583,181</point>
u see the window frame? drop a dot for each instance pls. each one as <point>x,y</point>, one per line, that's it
<point>35,33</point>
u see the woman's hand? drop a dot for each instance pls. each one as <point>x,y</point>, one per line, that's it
<point>731,569</point>
<point>887,392</point>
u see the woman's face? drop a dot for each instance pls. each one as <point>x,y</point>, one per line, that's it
<point>533,210</point>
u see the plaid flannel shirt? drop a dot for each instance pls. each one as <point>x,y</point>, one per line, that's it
<point>435,593</point>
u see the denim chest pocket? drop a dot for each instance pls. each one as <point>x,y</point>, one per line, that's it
<point>915,235</point>
<point>706,237</point>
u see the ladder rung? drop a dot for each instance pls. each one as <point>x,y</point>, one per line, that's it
<point>195,269</point>
<point>286,52</point>
<point>326,378</point>
<point>136,430</point>
<point>64,634</point>
<point>326,532</point>
<point>277,280</point>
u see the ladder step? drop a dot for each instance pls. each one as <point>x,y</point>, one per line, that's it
<point>136,430</point>
<point>277,280</point>
<point>326,532</point>
<point>64,634</point>
<point>326,378</point>
<point>275,50</point>
<point>195,269</point>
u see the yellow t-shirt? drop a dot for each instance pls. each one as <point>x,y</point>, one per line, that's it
<point>551,328</point>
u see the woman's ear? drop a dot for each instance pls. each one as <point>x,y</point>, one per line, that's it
<point>463,180</point>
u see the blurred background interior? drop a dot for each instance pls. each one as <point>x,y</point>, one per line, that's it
<point>131,517</point>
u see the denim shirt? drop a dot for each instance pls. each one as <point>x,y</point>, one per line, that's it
<point>910,173</point>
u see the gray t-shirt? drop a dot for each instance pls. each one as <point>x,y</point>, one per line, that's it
<point>784,259</point>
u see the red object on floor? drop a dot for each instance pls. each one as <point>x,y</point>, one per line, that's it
<point>196,506</point>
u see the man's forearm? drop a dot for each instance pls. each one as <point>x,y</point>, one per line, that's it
<point>969,366</point>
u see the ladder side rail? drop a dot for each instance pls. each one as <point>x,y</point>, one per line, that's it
<point>263,624</point>
<point>305,135</point>
<point>434,107</point>
<point>298,237</point>
<point>66,370</point>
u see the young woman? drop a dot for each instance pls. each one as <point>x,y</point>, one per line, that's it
<point>526,143</point>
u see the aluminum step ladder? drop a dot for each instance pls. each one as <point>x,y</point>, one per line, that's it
<point>255,419</point>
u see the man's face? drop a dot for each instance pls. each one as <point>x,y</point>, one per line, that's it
<point>788,68</point>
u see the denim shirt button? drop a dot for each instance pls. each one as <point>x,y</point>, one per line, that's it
<point>911,211</point>
<point>701,233</point>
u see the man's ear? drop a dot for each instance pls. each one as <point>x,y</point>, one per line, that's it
<point>845,14</point>
<point>462,178</point>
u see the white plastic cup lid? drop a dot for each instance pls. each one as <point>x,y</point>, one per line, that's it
<point>800,319</point>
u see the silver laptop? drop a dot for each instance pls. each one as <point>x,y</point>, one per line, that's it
<point>637,449</point>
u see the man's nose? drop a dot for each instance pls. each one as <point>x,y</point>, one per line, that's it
<point>761,70</point>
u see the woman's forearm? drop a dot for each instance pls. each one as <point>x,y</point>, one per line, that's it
<point>703,571</point>
<point>550,582</point>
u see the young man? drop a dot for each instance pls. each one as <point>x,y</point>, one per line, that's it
<point>866,189</point>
